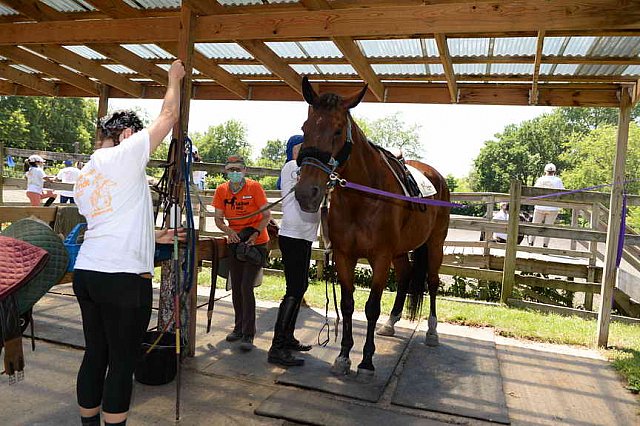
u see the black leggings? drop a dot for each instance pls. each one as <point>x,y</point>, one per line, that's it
<point>296,255</point>
<point>116,308</point>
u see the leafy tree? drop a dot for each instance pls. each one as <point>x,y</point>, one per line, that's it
<point>452,182</point>
<point>273,154</point>
<point>583,120</point>
<point>223,140</point>
<point>52,124</point>
<point>392,132</point>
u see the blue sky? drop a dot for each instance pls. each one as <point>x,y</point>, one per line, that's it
<point>451,135</point>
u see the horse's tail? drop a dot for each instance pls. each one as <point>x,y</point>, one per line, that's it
<point>417,282</point>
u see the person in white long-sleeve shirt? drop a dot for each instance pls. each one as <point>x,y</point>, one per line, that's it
<point>546,214</point>
<point>298,230</point>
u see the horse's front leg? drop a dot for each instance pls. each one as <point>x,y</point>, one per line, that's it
<point>434,260</point>
<point>402,268</point>
<point>345,268</point>
<point>380,268</point>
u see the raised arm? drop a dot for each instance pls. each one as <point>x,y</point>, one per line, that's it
<point>170,111</point>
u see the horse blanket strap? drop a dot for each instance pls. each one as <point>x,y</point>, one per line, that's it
<point>19,263</point>
<point>38,233</point>
<point>11,337</point>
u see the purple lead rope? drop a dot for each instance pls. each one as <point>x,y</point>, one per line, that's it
<point>417,200</point>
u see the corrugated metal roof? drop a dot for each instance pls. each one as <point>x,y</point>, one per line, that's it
<point>7,11</point>
<point>69,5</point>
<point>337,69</point>
<point>24,68</point>
<point>513,46</point>
<point>552,45</point>
<point>286,49</point>
<point>616,46</point>
<point>399,69</point>
<point>430,47</point>
<point>305,69</point>
<point>595,69</point>
<point>154,4</point>
<point>85,52</point>
<point>247,69</point>
<point>632,70</point>
<point>394,48</point>
<point>579,46</point>
<point>469,69</point>
<point>435,69</point>
<point>468,46</point>
<point>223,50</point>
<point>120,69</point>
<point>512,69</point>
<point>148,51</point>
<point>321,49</point>
<point>564,69</point>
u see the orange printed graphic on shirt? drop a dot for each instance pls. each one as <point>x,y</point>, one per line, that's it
<point>99,188</point>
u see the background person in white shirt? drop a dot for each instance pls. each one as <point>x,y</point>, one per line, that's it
<point>112,276</point>
<point>34,172</point>
<point>198,175</point>
<point>546,214</point>
<point>68,174</point>
<point>502,214</point>
<point>298,230</point>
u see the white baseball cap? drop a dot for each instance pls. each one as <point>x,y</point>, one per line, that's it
<point>550,167</point>
<point>36,159</point>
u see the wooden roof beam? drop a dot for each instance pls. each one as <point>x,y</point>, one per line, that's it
<point>45,66</point>
<point>36,10</point>
<point>27,80</point>
<point>205,7</point>
<point>352,53</point>
<point>536,69</point>
<point>212,70</point>
<point>273,62</point>
<point>8,88</point>
<point>116,8</point>
<point>445,57</point>
<point>133,61</point>
<point>88,67</point>
<point>503,16</point>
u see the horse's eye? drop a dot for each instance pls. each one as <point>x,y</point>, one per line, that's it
<point>338,132</point>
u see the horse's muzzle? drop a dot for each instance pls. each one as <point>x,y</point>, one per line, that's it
<point>309,197</point>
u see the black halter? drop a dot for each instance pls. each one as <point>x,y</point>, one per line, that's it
<point>323,160</point>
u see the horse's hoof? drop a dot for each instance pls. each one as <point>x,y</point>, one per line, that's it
<point>341,366</point>
<point>431,340</point>
<point>365,375</point>
<point>386,330</point>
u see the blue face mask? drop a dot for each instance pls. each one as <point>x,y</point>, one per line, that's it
<point>235,177</point>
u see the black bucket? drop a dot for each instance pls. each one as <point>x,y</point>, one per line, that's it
<point>158,367</point>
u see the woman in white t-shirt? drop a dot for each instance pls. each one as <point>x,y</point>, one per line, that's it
<point>112,276</point>
<point>546,214</point>
<point>36,177</point>
<point>298,231</point>
<point>68,174</point>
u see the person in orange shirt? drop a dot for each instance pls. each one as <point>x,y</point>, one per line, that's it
<point>247,239</point>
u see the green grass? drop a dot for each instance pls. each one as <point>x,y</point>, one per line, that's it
<point>624,339</point>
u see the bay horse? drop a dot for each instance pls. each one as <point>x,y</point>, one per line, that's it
<point>362,225</point>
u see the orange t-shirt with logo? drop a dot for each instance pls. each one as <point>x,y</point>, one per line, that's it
<point>250,198</point>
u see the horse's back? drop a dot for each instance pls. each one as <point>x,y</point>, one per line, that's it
<point>438,181</point>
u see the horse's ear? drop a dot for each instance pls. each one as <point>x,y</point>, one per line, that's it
<point>307,91</point>
<point>353,101</point>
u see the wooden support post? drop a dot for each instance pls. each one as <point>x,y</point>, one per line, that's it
<point>509,270</point>
<point>615,216</point>
<point>103,105</point>
<point>574,224</point>
<point>489,215</point>
<point>593,259</point>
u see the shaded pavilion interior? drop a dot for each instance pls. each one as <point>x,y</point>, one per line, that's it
<point>500,52</point>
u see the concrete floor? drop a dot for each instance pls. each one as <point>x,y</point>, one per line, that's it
<point>543,384</point>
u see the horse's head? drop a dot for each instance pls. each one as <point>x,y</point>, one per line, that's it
<point>327,142</point>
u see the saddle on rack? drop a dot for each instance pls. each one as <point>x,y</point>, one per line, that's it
<point>20,262</point>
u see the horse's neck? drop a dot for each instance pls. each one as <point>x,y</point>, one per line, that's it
<point>365,166</point>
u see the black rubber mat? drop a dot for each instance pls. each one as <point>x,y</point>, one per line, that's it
<point>461,377</point>
<point>315,374</point>
<point>301,407</point>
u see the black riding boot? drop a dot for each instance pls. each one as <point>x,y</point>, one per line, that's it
<point>292,343</point>
<point>279,354</point>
